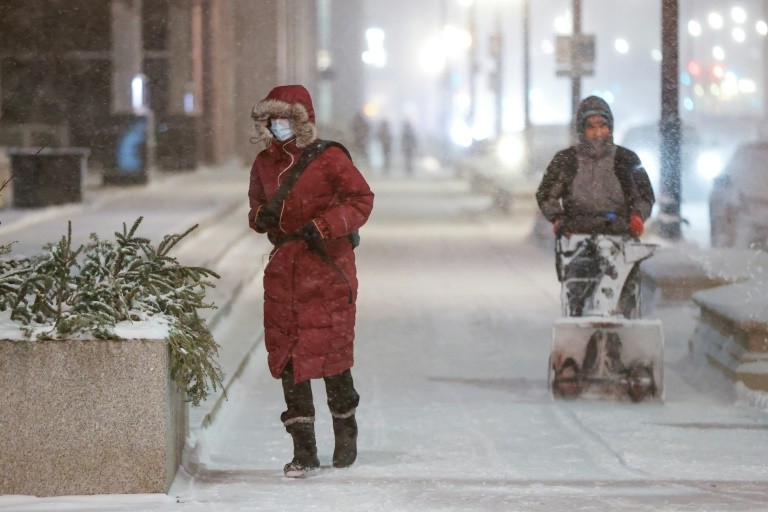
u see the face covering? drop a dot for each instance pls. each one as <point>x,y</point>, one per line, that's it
<point>281,129</point>
<point>596,148</point>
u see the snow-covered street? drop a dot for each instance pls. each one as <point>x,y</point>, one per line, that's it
<point>453,332</point>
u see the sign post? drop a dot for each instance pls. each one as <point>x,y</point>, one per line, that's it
<point>575,57</point>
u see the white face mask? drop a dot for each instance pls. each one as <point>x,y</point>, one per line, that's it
<point>281,129</point>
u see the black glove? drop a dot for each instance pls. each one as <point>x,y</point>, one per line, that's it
<point>266,220</point>
<point>310,233</point>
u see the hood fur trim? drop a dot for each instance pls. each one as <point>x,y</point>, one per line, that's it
<point>296,113</point>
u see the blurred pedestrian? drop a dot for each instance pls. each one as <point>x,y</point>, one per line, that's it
<point>360,132</point>
<point>385,139</point>
<point>408,145</point>
<point>310,282</point>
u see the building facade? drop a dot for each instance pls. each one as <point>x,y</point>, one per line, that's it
<point>73,71</point>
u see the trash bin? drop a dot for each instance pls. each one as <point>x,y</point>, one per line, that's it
<point>128,138</point>
<point>177,142</point>
<point>47,177</point>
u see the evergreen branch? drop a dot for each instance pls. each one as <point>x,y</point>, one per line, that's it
<point>169,241</point>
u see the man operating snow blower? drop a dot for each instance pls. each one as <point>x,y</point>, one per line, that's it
<point>598,196</point>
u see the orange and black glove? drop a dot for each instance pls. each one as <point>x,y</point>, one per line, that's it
<point>557,228</point>
<point>636,226</point>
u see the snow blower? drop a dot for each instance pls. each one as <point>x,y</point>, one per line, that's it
<point>601,348</point>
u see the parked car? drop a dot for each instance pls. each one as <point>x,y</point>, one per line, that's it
<point>738,204</point>
<point>510,168</point>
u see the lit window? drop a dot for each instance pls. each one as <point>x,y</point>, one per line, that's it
<point>375,55</point>
<point>738,15</point>
<point>137,92</point>
<point>694,28</point>
<point>715,20</point>
<point>562,25</point>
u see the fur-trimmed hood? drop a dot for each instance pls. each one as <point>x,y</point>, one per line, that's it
<point>291,102</point>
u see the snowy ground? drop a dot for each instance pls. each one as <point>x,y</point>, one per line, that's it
<point>454,326</point>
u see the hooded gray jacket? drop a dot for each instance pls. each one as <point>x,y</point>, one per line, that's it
<point>595,193</point>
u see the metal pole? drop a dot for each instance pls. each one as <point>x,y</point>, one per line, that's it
<point>764,131</point>
<point>669,203</point>
<point>526,63</point>
<point>473,66</point>
<point>499,74</point>
<point>527,82</point>
<point>446,92</point>
<point>576,72</point>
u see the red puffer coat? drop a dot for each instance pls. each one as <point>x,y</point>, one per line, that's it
<point>308,315</point>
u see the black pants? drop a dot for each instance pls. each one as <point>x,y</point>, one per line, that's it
<point>342,397</point>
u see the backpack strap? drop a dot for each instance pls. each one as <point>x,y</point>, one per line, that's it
<point>569,169</point>
<point>623,169</point>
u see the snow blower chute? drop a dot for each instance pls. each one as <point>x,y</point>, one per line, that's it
<point>601,348</point>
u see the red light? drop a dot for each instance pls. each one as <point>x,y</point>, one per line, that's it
<point>694,68</point>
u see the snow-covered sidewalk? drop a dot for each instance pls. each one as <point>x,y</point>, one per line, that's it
<point>454,329</point>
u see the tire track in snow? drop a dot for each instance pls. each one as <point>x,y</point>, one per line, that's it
<point>570,421</point>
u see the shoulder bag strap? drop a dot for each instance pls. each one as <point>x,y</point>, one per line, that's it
<point>310,153</point>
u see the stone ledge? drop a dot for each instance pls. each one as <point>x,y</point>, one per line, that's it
<point>733,332</point>
<point>672,277</point>
<point>89,417</point>
<point>743,305</point>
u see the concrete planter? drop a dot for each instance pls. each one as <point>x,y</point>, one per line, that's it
<point>89,417</point>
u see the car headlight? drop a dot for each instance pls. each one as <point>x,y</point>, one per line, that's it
<point>709,165</point>
<point>461,134</point>
<point>511,151</point>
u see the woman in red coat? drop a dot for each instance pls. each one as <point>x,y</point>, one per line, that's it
<point>310,282</point>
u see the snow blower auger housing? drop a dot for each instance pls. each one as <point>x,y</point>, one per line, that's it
<point>601,348</point>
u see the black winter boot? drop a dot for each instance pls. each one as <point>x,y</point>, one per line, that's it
<point>304,450</point>
<point>345,432</point>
